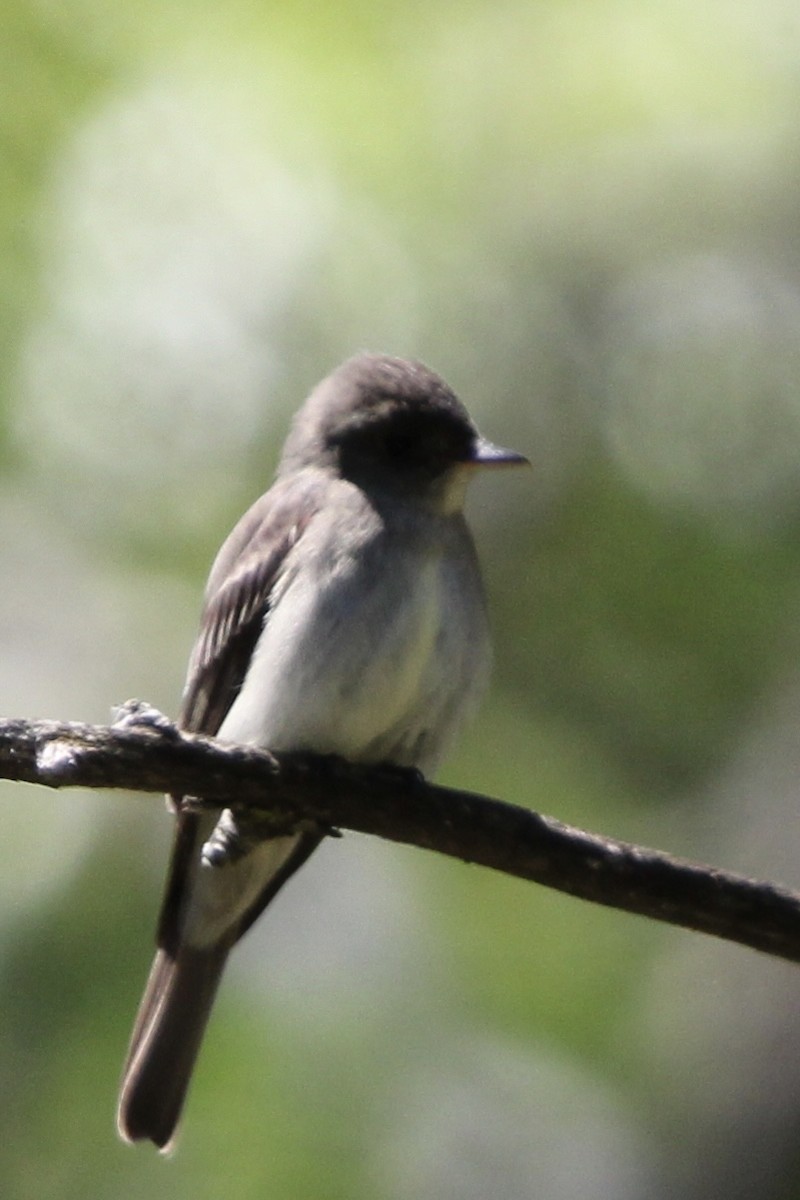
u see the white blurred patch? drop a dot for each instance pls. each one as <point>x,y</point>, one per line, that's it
<point>487,1117</point>
<point>75,638</point>
<point>703,386</point>
<point>179,247</point>
<point>56,630</point>
<point>342,937</point>
<point>176,238</point>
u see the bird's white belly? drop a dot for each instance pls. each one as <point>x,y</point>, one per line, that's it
<point>350,668</point>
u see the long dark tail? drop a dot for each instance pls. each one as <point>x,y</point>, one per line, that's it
<point>183,980</point>
<point>166,1039</point>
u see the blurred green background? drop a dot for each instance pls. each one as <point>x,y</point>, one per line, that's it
<point>585,215</point>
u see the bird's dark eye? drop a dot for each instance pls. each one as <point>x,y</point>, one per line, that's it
<point>401,444</point>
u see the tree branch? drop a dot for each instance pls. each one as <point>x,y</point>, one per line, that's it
<point>275,793</point>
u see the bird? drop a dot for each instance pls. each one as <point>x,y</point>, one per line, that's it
<point>344,615</point>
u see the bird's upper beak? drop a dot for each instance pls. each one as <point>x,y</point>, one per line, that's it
<point>486,454</point>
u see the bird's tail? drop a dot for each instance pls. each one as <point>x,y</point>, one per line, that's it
<point>165,1042</point>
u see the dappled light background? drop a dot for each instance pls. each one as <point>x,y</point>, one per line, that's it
<point>585,215</point>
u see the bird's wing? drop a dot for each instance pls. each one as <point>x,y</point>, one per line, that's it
<point>237,602</point>
<point>236,608</point>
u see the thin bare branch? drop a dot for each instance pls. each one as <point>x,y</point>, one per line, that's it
<point>277,792</point>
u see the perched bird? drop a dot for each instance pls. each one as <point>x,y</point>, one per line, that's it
<point>343,615</point>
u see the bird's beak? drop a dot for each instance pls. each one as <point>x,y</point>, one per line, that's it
<point>486,454</point>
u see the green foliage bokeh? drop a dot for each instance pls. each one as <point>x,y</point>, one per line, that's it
<point>584,215</point>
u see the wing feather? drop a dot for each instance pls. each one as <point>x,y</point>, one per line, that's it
<point>236,607</point>
<point>238,600</point>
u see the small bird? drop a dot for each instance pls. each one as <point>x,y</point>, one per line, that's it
<point>343,615</point>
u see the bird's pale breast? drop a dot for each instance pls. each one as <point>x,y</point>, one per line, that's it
<point>375,664</point>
